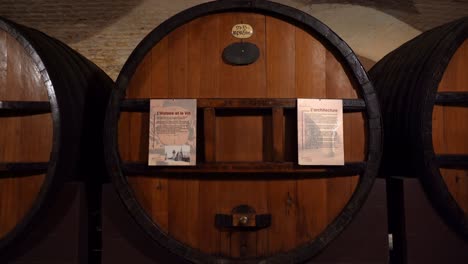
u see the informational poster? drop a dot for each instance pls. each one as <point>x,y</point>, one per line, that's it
<point>320,132</point>
<point>172,132</point>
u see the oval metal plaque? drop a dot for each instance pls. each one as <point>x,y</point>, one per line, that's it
<point>242,31</point>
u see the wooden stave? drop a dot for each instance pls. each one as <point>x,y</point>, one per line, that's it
<point>388,75</point>
<point>62,70</point>
<point>264,7</point>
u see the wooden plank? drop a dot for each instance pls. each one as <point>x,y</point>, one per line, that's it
<point>183,207</point>
<point>178,62</point>
<point>278,134</point>
<point>310,79</point>
<point>241,138</point>
<point>186,71</point>
<point>209,120</point>
<point>282,193</point>
<point>203,79</point>
<point>242,81</point>
<point>339,84</point>
<point>159,89</point>
<point>123,129</point>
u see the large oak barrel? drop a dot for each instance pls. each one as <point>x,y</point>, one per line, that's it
<point>246,135</point>
<point>52,104</point>
<point>422,87</point>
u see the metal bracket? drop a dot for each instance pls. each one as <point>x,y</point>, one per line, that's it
<point>243,217</point>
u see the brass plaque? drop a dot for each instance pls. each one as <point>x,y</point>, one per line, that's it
<point>242,31</point>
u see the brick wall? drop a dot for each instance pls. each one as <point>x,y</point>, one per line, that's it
<point>106,31</point>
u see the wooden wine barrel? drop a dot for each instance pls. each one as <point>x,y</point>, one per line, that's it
<point>52,105</point>
<point>246,134</point>
<point>423,91</point>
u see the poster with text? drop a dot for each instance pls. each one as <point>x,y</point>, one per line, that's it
<point>172,132</point>
<point>320,132</point>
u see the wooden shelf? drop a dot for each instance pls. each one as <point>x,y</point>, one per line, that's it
<point>248,169</point>
<point>453,161</point>
<point>23,108</point>
<point>142,105</point>
<point>452,99</point>
<point>22,169</point>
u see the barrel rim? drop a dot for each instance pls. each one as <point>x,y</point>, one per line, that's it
<point>374,124</point>
<point>49,183</point>
<point>431,179</point>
